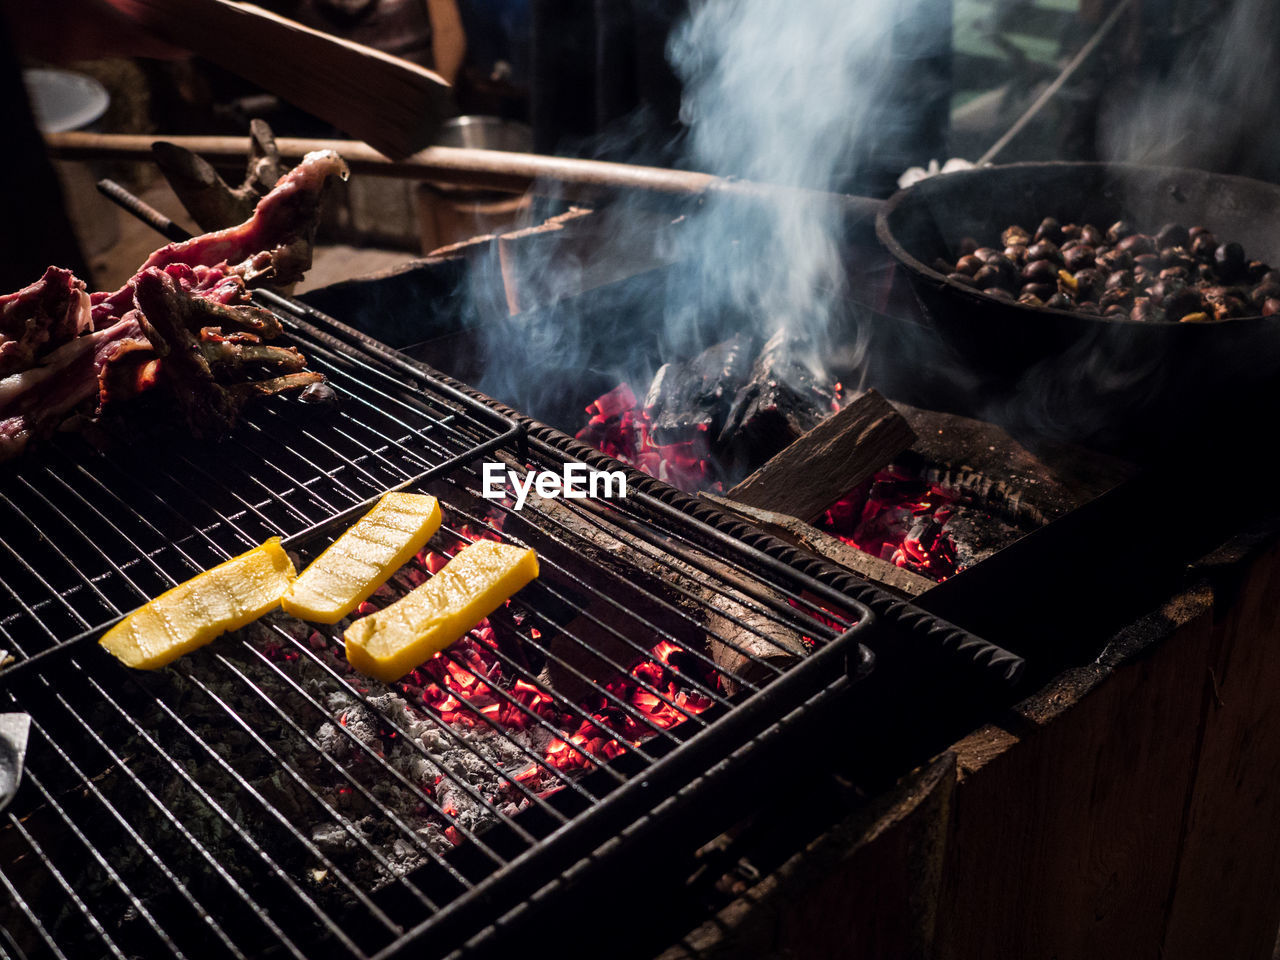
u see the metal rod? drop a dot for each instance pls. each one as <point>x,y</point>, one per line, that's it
<point>142,210</point>
<point>1051,91</point>
<point>564,177</point>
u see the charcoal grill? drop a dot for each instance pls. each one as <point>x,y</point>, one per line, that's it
<point>258,799</point>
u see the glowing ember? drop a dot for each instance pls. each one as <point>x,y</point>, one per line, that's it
<point>461,689</point>
<point>898,519</point>
<point>619,426</point>
<point>895,517</point>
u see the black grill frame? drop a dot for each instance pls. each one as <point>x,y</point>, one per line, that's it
<point>70,662</point>
<point>694,765</point>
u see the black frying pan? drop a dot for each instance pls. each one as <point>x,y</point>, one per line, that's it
<point>1114,370</point>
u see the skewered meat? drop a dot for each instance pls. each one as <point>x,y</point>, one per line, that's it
<point>183,323</point>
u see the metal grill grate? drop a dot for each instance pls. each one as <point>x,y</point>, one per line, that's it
<point>78,518</point>
<point>257,798</point>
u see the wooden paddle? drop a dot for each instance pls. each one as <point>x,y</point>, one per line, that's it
<point>390,103</point>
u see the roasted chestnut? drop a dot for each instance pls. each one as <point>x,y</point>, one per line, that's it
<point>1172,235</point>
<point>1119,279</point>
<point>1050,230</point>
<point>1042,291</point>
<point>1077,258</point>
<point>1143,310</point>
<point>1118,231</point>
<point>988,276</point>
<point>1178,305</point>
<point>1015,235</point>
<point>1114,260</point>
<point>968,265</point>
<point>1092,236</point>
<point>1136,245</point>
<point>1264,292</point>
<point>1089,281</point>
<point>1040,271</point>
<point>1204,246</point>
<point>1229,259</point>
<point>1044,250</point>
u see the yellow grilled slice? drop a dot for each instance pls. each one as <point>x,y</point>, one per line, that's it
<point>390,643</point>
<point>190,615</point>
<point>363,558</point>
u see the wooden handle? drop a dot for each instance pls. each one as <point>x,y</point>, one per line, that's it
<point>578,181</point>
<point>390,103</point>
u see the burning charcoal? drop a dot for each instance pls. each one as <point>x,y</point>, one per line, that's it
<point>782,399</point>
<point>686,400</point>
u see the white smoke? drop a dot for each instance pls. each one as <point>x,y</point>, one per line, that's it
<point>788,95</point>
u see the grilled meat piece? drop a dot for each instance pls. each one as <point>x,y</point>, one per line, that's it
<point>35,401</point>
<point>40,318</point>
<point>272,245</point>
<point>183,323</point>
<point>174,320</point>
